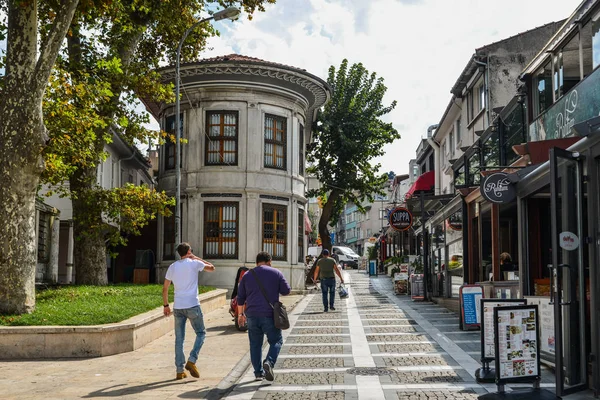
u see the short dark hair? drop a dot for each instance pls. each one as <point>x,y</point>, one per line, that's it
<point>263,257</point>
<point>183,248</point>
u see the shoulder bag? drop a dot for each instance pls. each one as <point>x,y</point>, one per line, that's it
<point>280,316</point>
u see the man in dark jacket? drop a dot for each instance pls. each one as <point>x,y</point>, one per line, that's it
<point>258,312</point>
<point>326,270</point>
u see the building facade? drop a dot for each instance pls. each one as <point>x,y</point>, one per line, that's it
<point>246,123</point>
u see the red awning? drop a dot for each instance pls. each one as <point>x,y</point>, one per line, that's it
<point>425,182</point>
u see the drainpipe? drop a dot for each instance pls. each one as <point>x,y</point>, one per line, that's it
<point>436,157</point>
<point>487,86</point>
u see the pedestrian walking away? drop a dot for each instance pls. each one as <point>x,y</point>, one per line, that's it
<point>326,270</point>
<point>256,310</point>
<point>184,275</point>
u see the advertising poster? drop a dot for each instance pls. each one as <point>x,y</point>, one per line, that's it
<point>547,340</point>
<point>488,338</point>
<point>469,296</point>
<point>517,346</point>
<point>417,287</point>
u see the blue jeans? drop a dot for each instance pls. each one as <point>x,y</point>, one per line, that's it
<point>258,327</point>
<point>328,285</point>
<point>196,318</point>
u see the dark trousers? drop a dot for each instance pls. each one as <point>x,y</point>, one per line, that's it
<point>328,286</point>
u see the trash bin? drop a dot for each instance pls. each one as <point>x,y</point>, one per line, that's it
<point>372,268</point>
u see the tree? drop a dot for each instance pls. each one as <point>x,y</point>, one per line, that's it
<point>348,135</point>
<point>111,58</point>
<point>27,64</point>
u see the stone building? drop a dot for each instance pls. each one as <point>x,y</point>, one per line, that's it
<point>246,123</point>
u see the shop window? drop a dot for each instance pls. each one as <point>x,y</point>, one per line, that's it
<point>474,170</point>
<point>44,234</point>
<point>274,231</point>
<point>169,237</point>
<point>587,46</point>
<point>490,151</point>
<point>221,146</point>
<point>170,145</point>
<point>459,177</point>
<point>542,89</point>
<point>595,32</point>
<point>514,131</point>
<point>301,236</point>
<point>301,151</point>
<point>221,222</point>
<point>566,67</point>
<point>275,141</point>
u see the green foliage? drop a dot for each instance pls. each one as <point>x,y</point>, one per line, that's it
<point>91,305</point>
<point>417,265</point>
<point>394,260</point>
<point>348,134</point>
<point>372,253</point>
<point>113,50</point>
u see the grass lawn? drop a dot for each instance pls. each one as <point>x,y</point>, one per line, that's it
<point>91,305</point>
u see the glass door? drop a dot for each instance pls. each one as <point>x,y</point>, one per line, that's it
<point>568,292</point>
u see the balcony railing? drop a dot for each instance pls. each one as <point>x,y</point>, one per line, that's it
<point>577,105</point>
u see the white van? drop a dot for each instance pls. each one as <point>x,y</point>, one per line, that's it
<point>345,256</point>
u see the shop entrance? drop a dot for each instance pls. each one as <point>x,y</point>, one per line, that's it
<point>569,275</point>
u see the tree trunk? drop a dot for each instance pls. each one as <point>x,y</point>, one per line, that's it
<point>323,230</point>
<point>21,136</point>
<point>89,252</point>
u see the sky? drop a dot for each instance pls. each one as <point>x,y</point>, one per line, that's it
<point>418,46</point>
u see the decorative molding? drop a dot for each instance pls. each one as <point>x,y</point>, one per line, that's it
<point>305,82</point>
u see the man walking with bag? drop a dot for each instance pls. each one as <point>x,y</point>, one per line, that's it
<point>184,275</point>
<point>258,292</point>
<point>326,270</point>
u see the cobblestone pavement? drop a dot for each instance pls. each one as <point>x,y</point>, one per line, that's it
<point>373,346</point>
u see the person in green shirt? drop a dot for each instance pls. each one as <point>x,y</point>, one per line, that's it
<point>326,270</point>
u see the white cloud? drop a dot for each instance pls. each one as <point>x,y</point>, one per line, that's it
<point>418,46</point>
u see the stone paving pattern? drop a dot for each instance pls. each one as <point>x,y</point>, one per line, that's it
<point>392,329</point>
<point>315,339</point>
<point>397,338</point>
<point>438,395</point>
<point>316,350</point>
<point>309,378</point>
<point>407,348</point>
<point>306,396</point>
<point>425,377</point>
<point>412,361</point>
<point>297,363</point>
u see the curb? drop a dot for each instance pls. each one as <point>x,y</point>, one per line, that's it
<point>228,383</point>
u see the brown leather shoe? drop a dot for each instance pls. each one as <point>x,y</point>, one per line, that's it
<point>190,366</point>
<point>180,375</point>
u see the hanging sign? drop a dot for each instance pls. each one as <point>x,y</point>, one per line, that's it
<point>469,296</point>
<point>517,344</point>
<point>454,221</point>
<point>488,339</point>
<point>496,188</point>
<point>400,219</point>
<point>568,241</point>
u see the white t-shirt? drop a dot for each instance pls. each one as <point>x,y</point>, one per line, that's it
<point>184,275</point>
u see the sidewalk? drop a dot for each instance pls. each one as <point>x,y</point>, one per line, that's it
<point>147,373</point>
<point>374,346</point>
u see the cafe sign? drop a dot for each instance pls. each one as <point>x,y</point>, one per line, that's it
<point>577,105</point>
<point>497,188</point>
<point>454,221</point>
<point>400,219</point>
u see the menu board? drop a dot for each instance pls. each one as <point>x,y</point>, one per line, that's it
<point>547,340</point>
<point>488,338</point>
<point>417,287</point>
<point>517,344</point>
<point>469,296</point>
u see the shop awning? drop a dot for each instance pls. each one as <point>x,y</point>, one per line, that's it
<point>424,183</point>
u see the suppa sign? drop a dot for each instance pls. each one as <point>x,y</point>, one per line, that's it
<point>400,219</point>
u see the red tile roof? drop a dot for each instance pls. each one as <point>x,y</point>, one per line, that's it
<point>241,58</point>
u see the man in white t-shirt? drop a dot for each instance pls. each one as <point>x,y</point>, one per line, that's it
<point>184,275</point>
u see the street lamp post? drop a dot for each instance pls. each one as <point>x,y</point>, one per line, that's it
<point>229,13</point>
